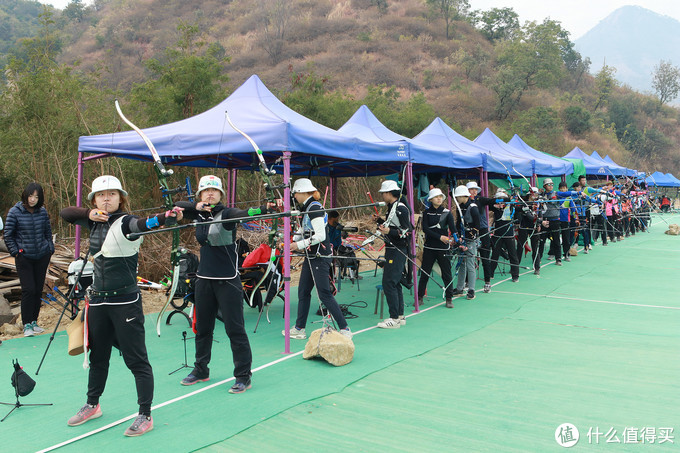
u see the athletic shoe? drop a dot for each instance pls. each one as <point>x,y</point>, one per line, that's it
<point>585,250</point>
<point>449,303</point>
<point>515,279</point>
<point>37,328</point>
<point>537,272</point>
<point>402,320</point>
<point>191,380</point>
<point>551,257</point>
<point>487,287</point>
<point>605,244</point>
<point>558,263</point>
<point>389,323</point>
<point>567,258</point>
<point>142,424</point>
<point>85,413</point>
<point>420,302</point>
<point>470,294</point>
<point>240,387</point>
<point>457,292</point>
<point>28,330</point>
<point>295,333</point>
<point>346,332</point>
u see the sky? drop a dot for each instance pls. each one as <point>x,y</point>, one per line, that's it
<point>577,16</point>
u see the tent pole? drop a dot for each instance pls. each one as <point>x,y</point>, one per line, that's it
<point>286,250</point>
<point>409,188</point>
<point>79,200</point>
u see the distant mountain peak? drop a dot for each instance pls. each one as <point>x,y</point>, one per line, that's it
<point>633,39</point>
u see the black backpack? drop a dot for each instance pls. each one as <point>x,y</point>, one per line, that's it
<point>188,265</point>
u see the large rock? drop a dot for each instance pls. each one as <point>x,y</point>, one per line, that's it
<point>6,314</point>
<point>673,229</point>
<point>332,346</point>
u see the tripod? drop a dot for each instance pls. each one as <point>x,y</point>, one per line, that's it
<point>184,365</point>
<point>18,404</point>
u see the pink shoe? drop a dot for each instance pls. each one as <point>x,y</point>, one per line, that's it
<point>140,425</point>
<point>85,413</point>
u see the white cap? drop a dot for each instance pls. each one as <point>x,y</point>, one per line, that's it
<point>435,193</point>
<point>388,186</point>
<point>500,193</point>
<point>461,191</point>
<point>533,189</point>
<point>547,181</point>
<point>303,185</point>
<point>209,182</point>
<point>472,185</point>
<point>106,182</point>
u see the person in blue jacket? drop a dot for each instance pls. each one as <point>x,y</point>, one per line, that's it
<point>28,236</point>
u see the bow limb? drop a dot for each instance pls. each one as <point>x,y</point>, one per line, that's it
<point>266,174</point>
<point>161,173</point>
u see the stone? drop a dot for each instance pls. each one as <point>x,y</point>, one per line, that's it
<point>6,314</point>
<point>331,345</point>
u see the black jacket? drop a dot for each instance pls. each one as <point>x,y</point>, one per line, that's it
<point>28,232</point>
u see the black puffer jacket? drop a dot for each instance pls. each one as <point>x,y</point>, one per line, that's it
<point>28,231</point>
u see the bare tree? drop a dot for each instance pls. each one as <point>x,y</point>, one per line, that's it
<point>666,81</point>
<point>276,17</point>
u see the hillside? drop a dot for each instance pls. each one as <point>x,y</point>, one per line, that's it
<point>472,80</point>
<point>633,40</point>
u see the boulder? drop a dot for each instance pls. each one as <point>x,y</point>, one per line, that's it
<point>6,314</point>
<point>673,229</point>
<point>329,344</point>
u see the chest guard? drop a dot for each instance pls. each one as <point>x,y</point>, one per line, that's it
<point>218,236</point>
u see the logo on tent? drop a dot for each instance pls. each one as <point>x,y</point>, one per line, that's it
<point>401,151</point>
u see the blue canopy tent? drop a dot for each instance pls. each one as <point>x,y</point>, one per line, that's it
<point>466,154</point>
<point>553,166</point>
<point>498,149</point>
<point>659,179</point>
<point>206,140</point>
<point>673,179</point>
<point>615,170</point>
<point>629,171</point>
<point>594,167</point>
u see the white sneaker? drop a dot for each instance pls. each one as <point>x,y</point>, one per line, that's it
<point>28,330</point>
<point>389,323</point>
<point>37,328</point>
<point>402,320</point>
<point>295,333</point>
<point>346,332</point>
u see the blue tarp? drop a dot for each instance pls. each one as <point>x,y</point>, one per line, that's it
<point>593,166</point>
<point>557,166</point>
<point>206,140</point>
<point>617,170</point>
<point>521,166</point>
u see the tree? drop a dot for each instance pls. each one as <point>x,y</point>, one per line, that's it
<point>533,58</point>
<point>187,79</point>
<point>449,10</point>
<point>604,85</point>
<point>666,81</point>
<point>75,10</point>
<point>497,24</point>
<point>275,19</point>
<point>577,120</point>
<point>44,108</point>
